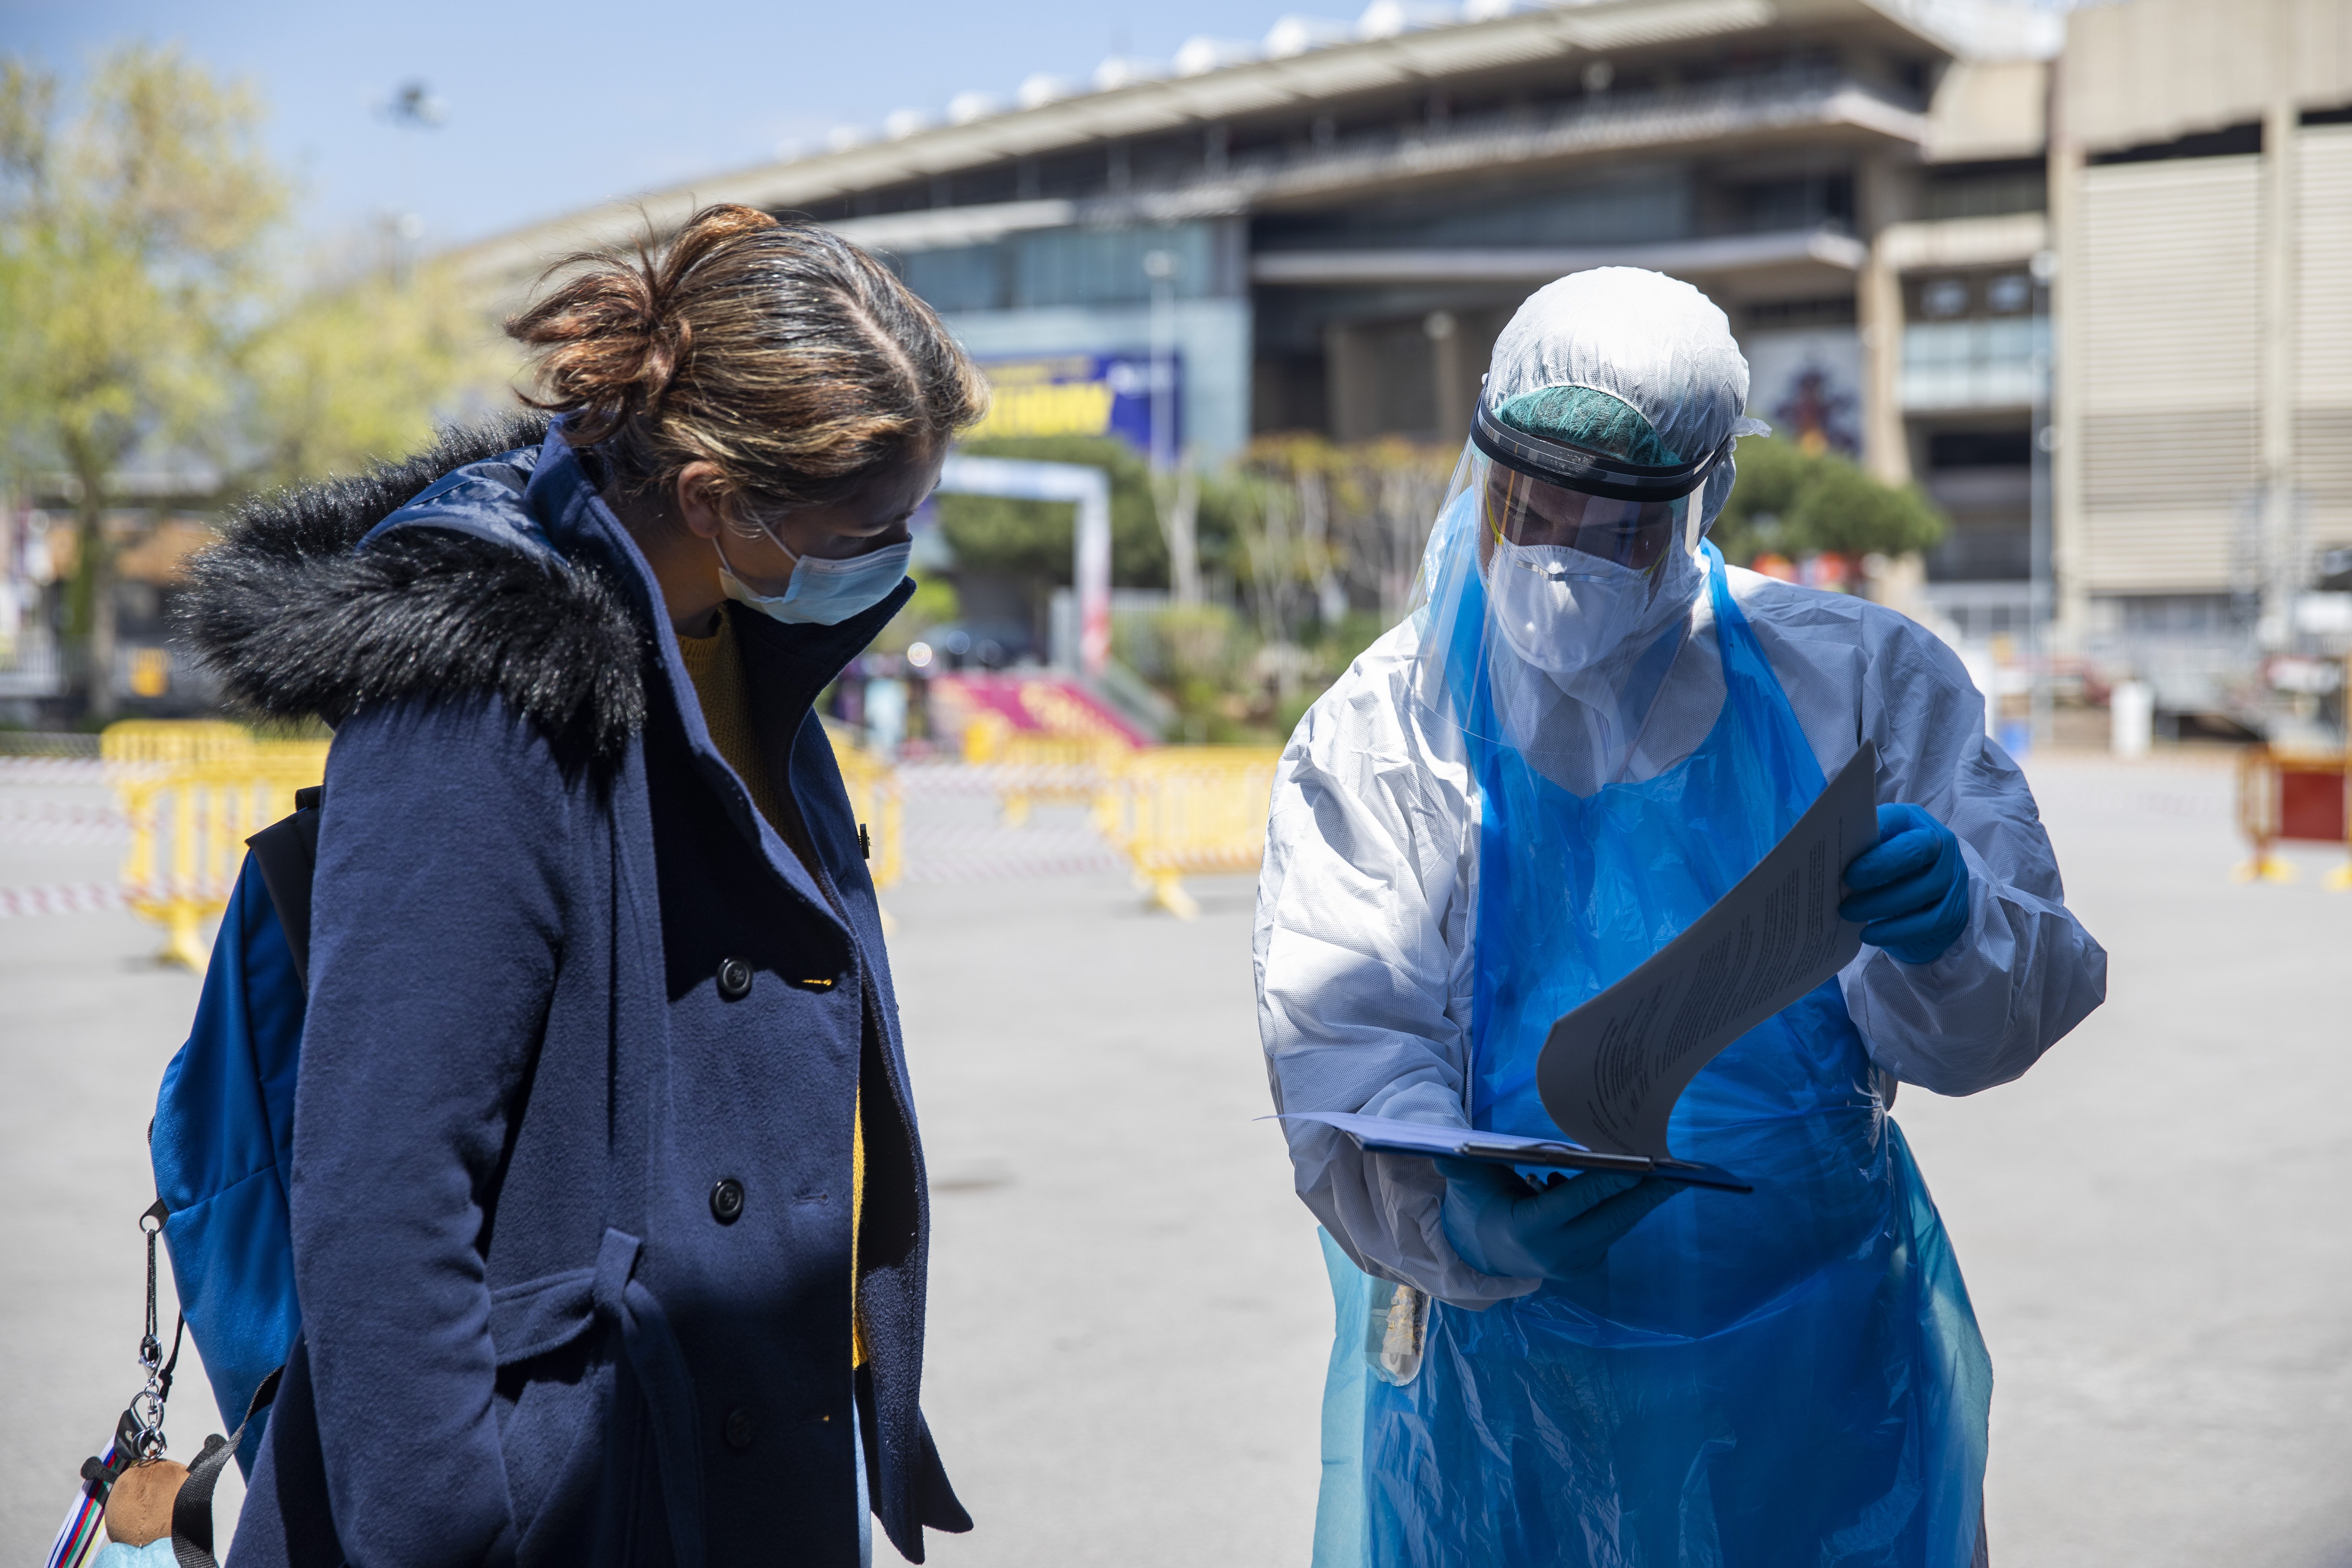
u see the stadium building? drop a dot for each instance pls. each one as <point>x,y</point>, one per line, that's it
<point>2202,183</point>
<point>1324,229</point>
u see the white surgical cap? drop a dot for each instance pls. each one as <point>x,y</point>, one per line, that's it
<point>1652,342</point>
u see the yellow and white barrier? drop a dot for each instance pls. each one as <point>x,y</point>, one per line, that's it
<point>153,742</point>
<point>876,801</point>
<point>1180,811</point>
<point>194,792</point>
<point>1172,811</point>
<point>1031,767</point>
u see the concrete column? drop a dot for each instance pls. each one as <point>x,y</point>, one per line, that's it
<point>2069,553</point>
<point>1878,310</point>
<point>1878,315</point>
<point>2283,564</point>
<point>1450,383</point>
<point>1347,382</point>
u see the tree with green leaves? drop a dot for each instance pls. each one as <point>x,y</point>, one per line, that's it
<point>131,241</point>
<point>151,307</point>
<point>1797,502</point>
<point>353,367</point>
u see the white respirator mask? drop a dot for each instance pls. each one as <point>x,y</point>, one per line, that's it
<point>1562,610</point>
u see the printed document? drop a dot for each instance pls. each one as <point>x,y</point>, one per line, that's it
<point>1612,1070</point>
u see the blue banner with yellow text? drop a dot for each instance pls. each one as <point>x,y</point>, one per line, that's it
<point>1082,394</point>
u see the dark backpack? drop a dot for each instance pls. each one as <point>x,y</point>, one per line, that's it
<point>222,1144</point>
<point>223,1137</point>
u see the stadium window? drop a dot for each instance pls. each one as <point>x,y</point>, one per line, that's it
<point>1105,265</point>
<point>961,277</point>
<point>2236,140</point>
<point>1944,297</point>
<point>1979,449</point>
<point>1987,190</point>
<point>1784,315</point>
<point>1806,201</point>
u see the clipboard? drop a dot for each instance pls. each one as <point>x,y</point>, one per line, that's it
<point>1387,1135</point>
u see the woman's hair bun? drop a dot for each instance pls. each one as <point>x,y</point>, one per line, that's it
<point>609,339</point>
<point>778,351</point>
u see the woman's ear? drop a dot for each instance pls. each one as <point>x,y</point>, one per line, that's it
<point>701,504</point>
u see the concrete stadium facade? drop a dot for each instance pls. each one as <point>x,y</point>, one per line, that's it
<point>1908,209</point>
<point>1344,221</point>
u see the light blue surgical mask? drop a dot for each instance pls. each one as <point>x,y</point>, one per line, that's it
<point>823,593</point>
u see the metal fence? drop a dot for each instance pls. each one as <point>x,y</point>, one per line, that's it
<point>192,792</point>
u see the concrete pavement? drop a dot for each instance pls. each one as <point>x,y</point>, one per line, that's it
<point>87,1022</point>
<point>1129,1321</point>
<point>2152,1222</point>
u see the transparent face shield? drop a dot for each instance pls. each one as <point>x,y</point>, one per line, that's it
<point>1529,514</point>
<point>1552,597</point>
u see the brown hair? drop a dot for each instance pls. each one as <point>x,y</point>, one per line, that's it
<point>778,351</point>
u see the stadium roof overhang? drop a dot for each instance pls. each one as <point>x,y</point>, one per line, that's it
<point>1268,86</point>
<point>1519,265</point>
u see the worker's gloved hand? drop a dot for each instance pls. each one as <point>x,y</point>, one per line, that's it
<point>1507,1227</point>
<point>1911,892</point>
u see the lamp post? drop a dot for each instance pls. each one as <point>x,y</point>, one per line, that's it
<point>2046,441</point>
<point>1160,267</point>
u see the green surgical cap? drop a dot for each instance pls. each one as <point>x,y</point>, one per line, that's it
<point>1594,420</point>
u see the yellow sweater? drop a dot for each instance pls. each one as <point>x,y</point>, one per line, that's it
<point>716,667</point>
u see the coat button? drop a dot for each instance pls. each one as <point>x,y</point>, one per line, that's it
<point>738,1428</point>
<point>734,979</point>
<point>727,1201</point>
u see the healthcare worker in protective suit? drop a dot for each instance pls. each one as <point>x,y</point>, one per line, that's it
<point>1586,731</point>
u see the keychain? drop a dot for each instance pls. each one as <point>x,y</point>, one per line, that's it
<point>130,1486</point>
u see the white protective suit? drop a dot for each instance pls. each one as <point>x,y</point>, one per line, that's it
<point>1364,941</point>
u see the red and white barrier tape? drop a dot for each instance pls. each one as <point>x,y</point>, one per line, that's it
<point>53,770</point>
<point>61,822</point>
<point>62,899</point>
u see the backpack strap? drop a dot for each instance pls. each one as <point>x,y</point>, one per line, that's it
<point>286,854</point>
<point>191,1510</point>
<point>287,851</point>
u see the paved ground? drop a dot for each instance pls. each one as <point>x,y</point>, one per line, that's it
<point>1129,1321</point>
<point>2153,1221</point>
<point>87,1022</point>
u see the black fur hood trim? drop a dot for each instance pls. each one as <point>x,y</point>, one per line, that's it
<point>296,621</point>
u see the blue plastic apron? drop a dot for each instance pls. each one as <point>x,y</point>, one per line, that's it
<point>1790,1377</point>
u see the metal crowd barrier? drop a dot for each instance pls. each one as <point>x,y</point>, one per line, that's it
<point>163,741</point>
<point>1172,811</point>
<point>194,791</point>
<point>1183,811</point>
<point>875,800</point>
<point>1030,768</point>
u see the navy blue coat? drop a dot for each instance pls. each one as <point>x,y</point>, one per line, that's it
<point>565,981</point>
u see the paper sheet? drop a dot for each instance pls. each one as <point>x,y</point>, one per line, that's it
<point>1611,1071</point>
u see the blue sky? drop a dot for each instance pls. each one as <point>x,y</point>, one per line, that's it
<point>550,108</point>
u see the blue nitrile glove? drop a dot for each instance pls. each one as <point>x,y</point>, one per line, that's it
<point>1912,891</point>
<point>1506,1226</point>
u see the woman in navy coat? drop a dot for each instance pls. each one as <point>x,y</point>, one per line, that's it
<point>607,1199</point>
